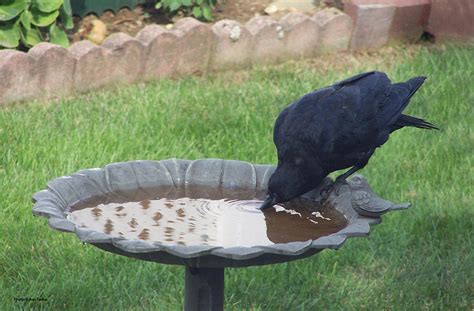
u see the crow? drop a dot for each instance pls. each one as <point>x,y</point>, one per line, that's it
<point>337,127</point>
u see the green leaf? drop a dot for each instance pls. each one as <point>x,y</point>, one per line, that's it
<point>25,19</point>
<point>43,19</point>
<point>67,7</point>
<point>175,5</point>
<point>11,8</point>
<point>158,5</point>
<point>10,35</point>
<point>186,2</point>
<point>197,12</point>
<point>47,6</point>
<point>66,18</point>
<point>199,2</point>
<point>207,12</point>
<point>31,37</point>
<point>58,36</point>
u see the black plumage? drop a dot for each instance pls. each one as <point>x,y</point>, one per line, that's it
<point>337,127</point>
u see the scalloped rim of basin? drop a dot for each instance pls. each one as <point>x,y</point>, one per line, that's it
<point>355,200</point>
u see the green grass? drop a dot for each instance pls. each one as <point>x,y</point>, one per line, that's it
<point>420,259</point>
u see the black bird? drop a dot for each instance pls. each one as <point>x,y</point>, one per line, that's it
<point>337,127</point>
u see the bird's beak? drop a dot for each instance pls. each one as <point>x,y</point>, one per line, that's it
<point>269,202</point>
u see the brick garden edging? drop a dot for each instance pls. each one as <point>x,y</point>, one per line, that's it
<point>192,47</point>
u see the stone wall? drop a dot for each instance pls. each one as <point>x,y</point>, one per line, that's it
<point>192,47</point>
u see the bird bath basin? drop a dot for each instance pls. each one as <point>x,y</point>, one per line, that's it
<point>203,215</point>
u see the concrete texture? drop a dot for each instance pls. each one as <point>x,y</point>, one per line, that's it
<point>92,67</point>
<point>127,55</point>
<point>335,30</point>
<point>161,48</point>
<point>302,35</point>
<point>55,69</point>
<point>233,47</point>
<point>268,40</point>
<point>194,46</point>
<point>19,78</point>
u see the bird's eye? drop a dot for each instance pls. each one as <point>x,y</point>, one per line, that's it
<point>298,161</point>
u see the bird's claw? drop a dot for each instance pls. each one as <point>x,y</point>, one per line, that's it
<point>325,192</point>
<point>336,187</point>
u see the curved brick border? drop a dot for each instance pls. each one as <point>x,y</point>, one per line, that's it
<point>192,47</point>
<point>136,180</point>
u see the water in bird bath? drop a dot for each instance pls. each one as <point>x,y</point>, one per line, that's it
<point>210,216</point>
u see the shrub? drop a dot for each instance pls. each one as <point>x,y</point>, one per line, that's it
<point>201,9</point>
<point>24,23</point>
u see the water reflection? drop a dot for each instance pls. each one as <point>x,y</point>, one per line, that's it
<point>210,221</point>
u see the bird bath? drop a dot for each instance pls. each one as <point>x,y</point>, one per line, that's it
<point>203,215</point>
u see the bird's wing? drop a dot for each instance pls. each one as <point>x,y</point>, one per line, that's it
<point>277,135</point>
<point>354,79</point>
<point>398,98</point>
<point>294,118</point>
<point>335,121</point>
<point>351,113</point>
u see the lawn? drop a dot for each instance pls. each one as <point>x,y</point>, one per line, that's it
<point>420,259</point>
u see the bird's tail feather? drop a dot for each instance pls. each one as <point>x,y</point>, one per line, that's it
<point>406,120</point>
<point>401,94</point>
<point>415,84</point>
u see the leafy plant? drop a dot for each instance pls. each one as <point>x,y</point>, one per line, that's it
<point>201,9</point>
<point>29,22</point>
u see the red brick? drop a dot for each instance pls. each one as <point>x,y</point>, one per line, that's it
<point>409,19</point>
<point>451,19</point>
<point>372,23</point>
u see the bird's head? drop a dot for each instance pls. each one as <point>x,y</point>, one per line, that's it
<point>292,179</point>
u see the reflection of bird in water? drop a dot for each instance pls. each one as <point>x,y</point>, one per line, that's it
<point>301,220</point>
<point>226,223</point>
<point>337,127</point>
